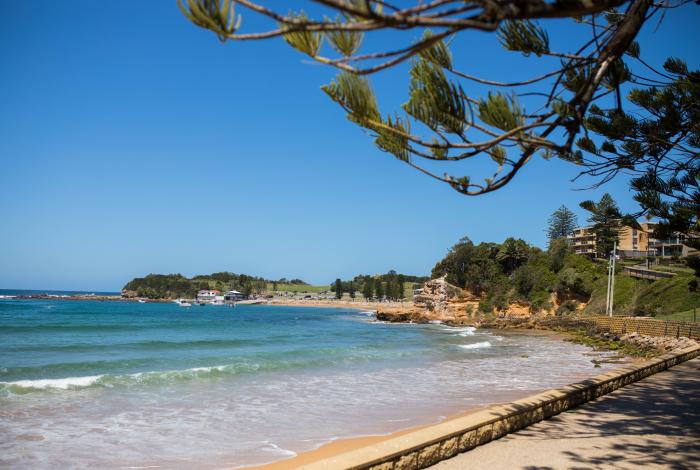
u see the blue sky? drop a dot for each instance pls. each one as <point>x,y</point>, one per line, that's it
<point>133,142</point>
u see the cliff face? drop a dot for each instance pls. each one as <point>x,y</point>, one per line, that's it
<point>441,301</point>
<point>438,301</point>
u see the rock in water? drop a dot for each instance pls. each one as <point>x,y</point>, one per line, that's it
<point>438,301</point>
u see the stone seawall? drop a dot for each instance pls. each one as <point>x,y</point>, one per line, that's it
<point>427,446</point>
<point>622,325</point>
<point>618,325</point>
<point>649,326</point>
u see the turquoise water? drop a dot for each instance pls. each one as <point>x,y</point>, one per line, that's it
<point>119,384</point>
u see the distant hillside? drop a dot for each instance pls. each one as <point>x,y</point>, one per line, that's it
<point>171,286</point>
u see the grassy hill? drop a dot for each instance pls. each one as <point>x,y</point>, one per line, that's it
<point>297,288</point>
<point>643,297</point>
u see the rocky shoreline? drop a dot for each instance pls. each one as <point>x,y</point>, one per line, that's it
<point>447,304</point>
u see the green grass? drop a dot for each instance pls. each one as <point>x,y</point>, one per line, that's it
<point>667,296</point>
<point>672,269</point>
<point>627,290</point>
<point>682,316</point>
<point>641,296</point>
<point>304,289</point>
<point>298,288</point>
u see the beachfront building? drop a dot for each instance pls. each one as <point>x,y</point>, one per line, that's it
<point>207,295</point>
<point>674,246</point>
<point>634,243</point>
<point>233,296</point>
<point>583,241</point>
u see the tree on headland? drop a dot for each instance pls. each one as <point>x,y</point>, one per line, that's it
<point>378,289</point>
<point>446,120</point>
<point>562,223</point>
<point>392,281</point>
<point>368,288</point>
<point>607,223</point>
<point>558,250</point>
<point>512,254</point>
<point>351,289</point>
<point>338,289</point>
<point>472,267</point>
<point>401,287</point>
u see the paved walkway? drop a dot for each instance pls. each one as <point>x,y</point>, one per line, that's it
<point>654,423</point>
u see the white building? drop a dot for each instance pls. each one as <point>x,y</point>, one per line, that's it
<point>207,295</point>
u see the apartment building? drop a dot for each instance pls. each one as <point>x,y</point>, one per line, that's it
<point>634,243</point>
<point>583,241</point>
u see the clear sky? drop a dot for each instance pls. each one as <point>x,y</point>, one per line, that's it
<point>133,142</point>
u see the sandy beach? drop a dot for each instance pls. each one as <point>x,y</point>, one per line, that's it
<point>341,446</point>
<point>357,304</point>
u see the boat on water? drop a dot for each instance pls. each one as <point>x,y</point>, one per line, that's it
<point>141,301</point>
<point>182,303</point>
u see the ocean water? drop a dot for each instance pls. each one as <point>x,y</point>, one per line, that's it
<point>13,293</point>
<point>87,384</point>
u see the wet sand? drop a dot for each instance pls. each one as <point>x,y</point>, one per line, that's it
<point>341,446</point>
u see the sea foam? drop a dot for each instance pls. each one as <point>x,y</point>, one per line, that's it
<point>463,331</point>
<point>479,345</point>
<point>139,378</point>
<point>62,384</point>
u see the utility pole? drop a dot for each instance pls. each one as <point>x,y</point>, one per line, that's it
<point>611,281</point>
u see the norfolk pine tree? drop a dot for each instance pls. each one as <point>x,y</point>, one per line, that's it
<point>367,288</point>
<point>452,115</point>
<point>607,222</point>
<point>338,289</point>
<point>378,289</point>
<point>657,140</point>
<point>562,223</point>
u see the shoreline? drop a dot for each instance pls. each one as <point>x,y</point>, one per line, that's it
<point>357,305</point>
<point>277,301</point>
<point>340,446</point>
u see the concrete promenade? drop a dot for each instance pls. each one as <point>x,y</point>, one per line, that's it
<point>653,423</point>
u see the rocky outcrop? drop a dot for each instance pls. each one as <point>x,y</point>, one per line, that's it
<point>129,294</point>
<point>658,343</point>
<point>438,301</point>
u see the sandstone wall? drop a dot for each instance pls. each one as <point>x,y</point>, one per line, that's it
<point>648,326</point>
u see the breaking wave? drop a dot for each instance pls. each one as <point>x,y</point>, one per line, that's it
<point>139,378</point>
